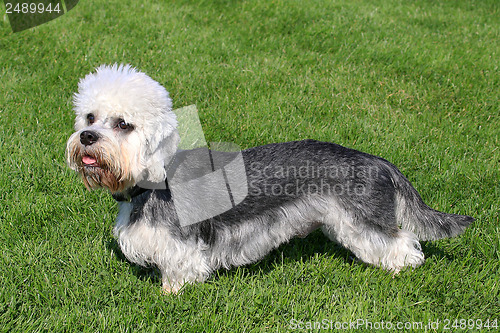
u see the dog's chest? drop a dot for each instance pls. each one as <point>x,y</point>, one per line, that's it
<point>142,240</point>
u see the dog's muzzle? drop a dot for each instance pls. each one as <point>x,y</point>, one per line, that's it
<point>88,138</point>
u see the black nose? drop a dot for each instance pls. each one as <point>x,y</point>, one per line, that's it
<point>88,137</point>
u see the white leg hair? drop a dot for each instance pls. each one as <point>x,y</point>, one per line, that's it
<point>144,244</point>
<point>372,247</point>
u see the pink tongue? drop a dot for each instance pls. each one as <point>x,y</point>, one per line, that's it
<point>88,160</point>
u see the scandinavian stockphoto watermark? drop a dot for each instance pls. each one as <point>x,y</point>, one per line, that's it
<point>26,14</point>
<point>370,325</point>
<point>288,180</point>
<point>205,182</point>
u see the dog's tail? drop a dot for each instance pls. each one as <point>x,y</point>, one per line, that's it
<point>415,216</point>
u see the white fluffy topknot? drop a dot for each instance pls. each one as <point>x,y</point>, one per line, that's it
<point>121,90</point>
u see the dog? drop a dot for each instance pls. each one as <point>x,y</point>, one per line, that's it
<point>126,135</point>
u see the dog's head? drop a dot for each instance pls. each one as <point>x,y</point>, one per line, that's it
<point>125,130</point>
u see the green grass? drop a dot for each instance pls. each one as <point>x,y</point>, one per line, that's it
<point>414,82</point>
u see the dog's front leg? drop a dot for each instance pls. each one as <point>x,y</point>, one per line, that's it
<point>190,267</point>
<point>171,287</point>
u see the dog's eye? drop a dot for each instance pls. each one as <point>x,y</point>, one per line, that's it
<point>123,125</point>
<point>90,118</point>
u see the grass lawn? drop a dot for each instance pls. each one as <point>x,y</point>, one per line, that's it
<point>416,82</point>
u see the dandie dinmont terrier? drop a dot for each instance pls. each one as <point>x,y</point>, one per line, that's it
<point>126,136</point>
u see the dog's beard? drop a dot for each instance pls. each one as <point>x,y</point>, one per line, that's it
<point>100,165</point>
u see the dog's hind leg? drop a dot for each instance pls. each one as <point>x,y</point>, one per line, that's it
<point>392,250</point>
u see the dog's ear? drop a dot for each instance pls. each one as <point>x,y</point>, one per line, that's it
<point>158,152</point>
